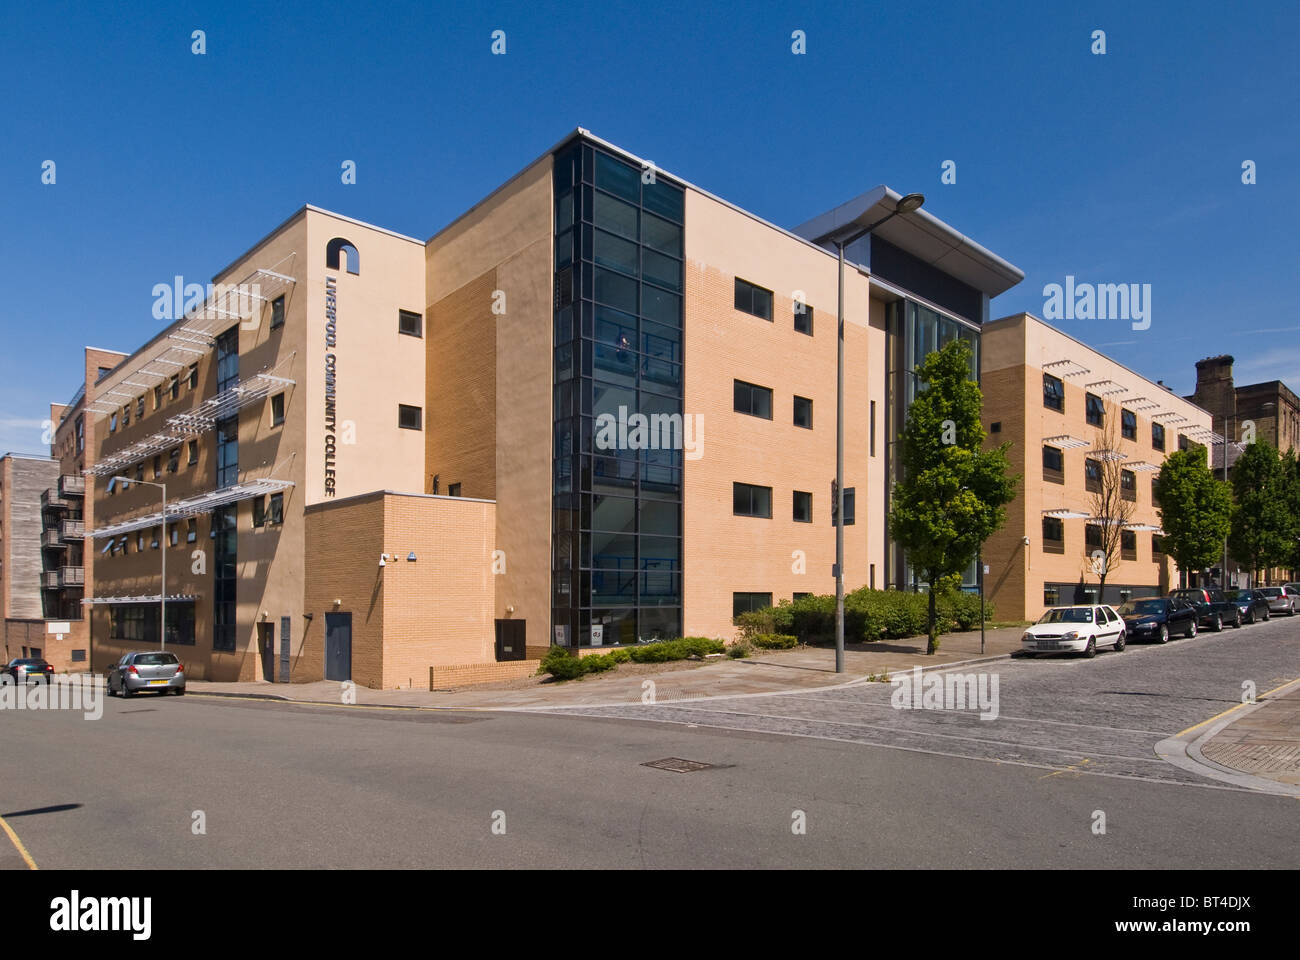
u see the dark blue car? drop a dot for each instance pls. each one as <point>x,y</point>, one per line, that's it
<point>1156,619</point>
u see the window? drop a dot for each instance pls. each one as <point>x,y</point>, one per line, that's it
<point>139,470</point>
<point>1157,546</point>
<point>277,312</point>
<point>112,423</point>
<point>227,452</point>
<point>139,407</point>
<point>1096,410</point>
<point>259,511</point>
<point>1155,500</point>
<point>751,501</point>
<point>1092,536</point>
<point>275,509</point>
<point>154,534</point>
<point>139,541</point>
<point>872,428</point>
<point>803,412</point>
<point>1053,464</point>
<point>749,602</point>
<point>1051,595</point>
<point>1053,392</point>
<point>277,409</point>
<point>174,390</point>
<point>995,426</point>
<point>173,459</point>
<point>79,656</point>
<point>1092,475</point>
<point>194,452</point>
<point>191,530</point>
<point>126,416</point>
<point>1182,442</point>
<point>453,489</point>
<point>410,418</point>
<point>157,397</point>
<point>803,318</point>
<point>850,504</point>
<point>1157,436</point>
<point>802,507</point>
<point>1128,424</point>
<point>753,400</point>
<point>173,535</point>
<point>1053,535</point>
<point>752,299</point>
<point>410,323</point>
<point>157,466</point>
<point>1128,485</point>
<point>1128,545</point>
<point>81,433</point>
<point>227,347</point>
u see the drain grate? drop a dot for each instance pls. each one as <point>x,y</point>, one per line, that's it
<point>678,765</point>
<point>1257,758</point>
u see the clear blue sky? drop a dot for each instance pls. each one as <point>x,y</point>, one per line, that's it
<point>1122,168</point>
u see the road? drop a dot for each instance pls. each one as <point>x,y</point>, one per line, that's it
<point>297,786</point>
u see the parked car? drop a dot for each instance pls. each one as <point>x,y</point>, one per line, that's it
<point>1252,604</point>
<point>1075,629</point>
<point>1158,618</point>
<point>1293,588</point>
<point>26,670</point>
<point>1280,600</point>
<point>140,670</point>
<point>1213,607</point>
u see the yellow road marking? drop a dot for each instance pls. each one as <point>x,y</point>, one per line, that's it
<point>18,845</point>
<point>1234,709</point>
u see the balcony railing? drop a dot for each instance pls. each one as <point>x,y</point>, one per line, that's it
<point>72,576</point>
<point>51,500</point>
<point>52,537</point>
<point>50,579</point>
<point>72,529</point>
<point>72,486</point>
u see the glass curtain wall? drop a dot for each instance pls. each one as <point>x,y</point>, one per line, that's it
<point>617,489</point>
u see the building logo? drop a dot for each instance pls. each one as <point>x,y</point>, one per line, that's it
<point>332,250</point>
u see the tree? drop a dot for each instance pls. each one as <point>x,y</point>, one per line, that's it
<point>1111,509</point>
<point>1195,510</point>
<point>1263,528</point>
<point>953,493</point>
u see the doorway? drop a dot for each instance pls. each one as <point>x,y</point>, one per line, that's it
<point>338,646</point>
<point>266,644</point>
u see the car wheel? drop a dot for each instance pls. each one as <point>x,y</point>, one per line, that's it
<point>1252,615</point>
<point>1236,621</point>
<point>1218,622</point>
<point>1090,650</point>
<point>1120,642</point>
<point>126,691</point>
<point>1191,628</point>
<point>180,691</point>
<point>1163,635</point>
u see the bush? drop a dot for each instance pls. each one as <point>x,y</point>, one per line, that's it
<point>561,664</point>
<point>869,615</point>
<point>775,641</point>
<point>739,650</point>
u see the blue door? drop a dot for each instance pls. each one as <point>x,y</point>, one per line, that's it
<point>338,646</point>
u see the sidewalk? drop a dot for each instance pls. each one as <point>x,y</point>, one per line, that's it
<point>764,672</point>
<point>1264,743</point>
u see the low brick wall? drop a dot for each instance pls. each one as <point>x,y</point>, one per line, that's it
<point>467,674</point>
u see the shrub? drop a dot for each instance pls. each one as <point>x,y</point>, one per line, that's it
<point>561,664</point>
<point>775,641</point>
<point>869,615</point>
<point>739,650</point>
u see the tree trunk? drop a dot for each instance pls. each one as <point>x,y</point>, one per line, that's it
<point>934,640</point>
<point>1101,589</point>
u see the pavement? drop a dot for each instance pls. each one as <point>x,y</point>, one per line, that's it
<point>770,671</point>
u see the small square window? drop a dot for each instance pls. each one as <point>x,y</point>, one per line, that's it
<point>753,299</point>
<point>277,312</point>
<point>803,412</point>
<point>157,466</point>
<point>194,376</point>
<point>1096,410</point>
<point>175,389</point>
<point>173,536</point>
<point>139,407</point>
<point>410,323</point>
<point>277,409</point>
<point>410,418</point>
<point>453,490</point>
<point>995,426</point>
<point>192,531</point>
<point>803,318</point>
<point>802,507</point>
<point>173,459</point>
<point>1157,436</point>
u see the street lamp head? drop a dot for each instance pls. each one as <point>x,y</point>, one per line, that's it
<point>910,203</point>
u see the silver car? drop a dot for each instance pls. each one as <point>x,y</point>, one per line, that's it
<point>1280,599</point>
<point>158,670</point>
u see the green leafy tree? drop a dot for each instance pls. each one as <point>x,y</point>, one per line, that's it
<point>1263,527</point>
<point>1195,510</point>
<point>1291,494</point>
<point>953,493</point>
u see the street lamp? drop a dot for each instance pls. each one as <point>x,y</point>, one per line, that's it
<point>905,204</point>
<point>162,587</point>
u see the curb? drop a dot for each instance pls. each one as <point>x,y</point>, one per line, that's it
<point>1186,753</point>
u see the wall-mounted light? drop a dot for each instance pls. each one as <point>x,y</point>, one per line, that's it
<point>338,603</point>
<point>383,559</point>
<point>411,557</point>
<point>509,611</point>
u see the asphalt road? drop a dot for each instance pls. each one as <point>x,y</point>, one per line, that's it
<point>284,785</point>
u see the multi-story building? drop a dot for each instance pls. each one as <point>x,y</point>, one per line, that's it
<point>24,481</point>
<point>597,408</point>
<point>1069,411</point>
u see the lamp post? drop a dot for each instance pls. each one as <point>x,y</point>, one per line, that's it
<point>162,586</point>
<point>905,204</point>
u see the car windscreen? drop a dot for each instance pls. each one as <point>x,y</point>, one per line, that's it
<point>28,663</point>
<point>1142,608</point>
<point>155,659</point>
<point>1067,615</point>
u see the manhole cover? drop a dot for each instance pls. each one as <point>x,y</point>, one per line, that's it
<point>677,765</point>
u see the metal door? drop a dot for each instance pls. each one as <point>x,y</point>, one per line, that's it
<point>511,640</point>
<point>266,644</point>
<point>338,646</point>
<point>284,649</point>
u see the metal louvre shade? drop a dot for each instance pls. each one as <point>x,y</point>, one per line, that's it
<point>153,598</point>
<point>194,506</point>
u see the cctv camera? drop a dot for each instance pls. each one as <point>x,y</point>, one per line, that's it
<point>1025,541</point>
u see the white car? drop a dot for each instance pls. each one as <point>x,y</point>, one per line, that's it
<point>1077,629</point>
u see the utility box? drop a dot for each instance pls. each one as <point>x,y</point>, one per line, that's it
<point>511,637</point>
